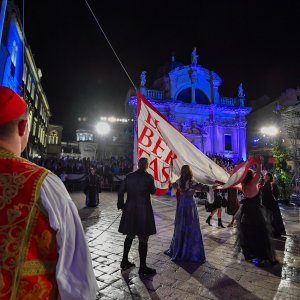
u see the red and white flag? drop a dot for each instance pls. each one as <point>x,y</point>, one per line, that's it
<point>168,150</point>
<point>238,174</point>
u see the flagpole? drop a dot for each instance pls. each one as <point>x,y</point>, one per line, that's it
<point>109,43</point>
<point>135,127</point>
<point>135,147</point>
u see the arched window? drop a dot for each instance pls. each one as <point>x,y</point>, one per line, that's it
<point>201,98</point>
<point>14,53</point>
<point>185,96</point>
<point>13,58</point>
<point>53,137</point>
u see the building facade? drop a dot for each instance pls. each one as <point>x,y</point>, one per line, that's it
<point>89,143</point>
<point>118,142</point>
<point>281,113</point>
<point>188,96</point>
<point>19,72</point>
<point>54,136</point>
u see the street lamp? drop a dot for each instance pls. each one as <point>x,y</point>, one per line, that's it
<point>102,128</point>
<point>269,131</point>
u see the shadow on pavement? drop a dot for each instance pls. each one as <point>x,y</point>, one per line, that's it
<point>189,267</point>
<point>127,278</point>
<point>147,281</point>
<point>89,216</point>
<point>219,240</point>
<point>275,270</point>
<point>218,283</point>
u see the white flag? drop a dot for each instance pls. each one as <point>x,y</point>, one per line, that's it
<point>168,150</point>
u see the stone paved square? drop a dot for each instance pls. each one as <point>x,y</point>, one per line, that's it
<point>223,276</point>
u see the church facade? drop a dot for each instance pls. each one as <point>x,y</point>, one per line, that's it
<point>188,96</point>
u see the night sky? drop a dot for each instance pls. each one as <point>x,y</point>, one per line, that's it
<point>255,42</point>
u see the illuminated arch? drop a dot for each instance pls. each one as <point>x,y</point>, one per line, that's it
<point>53,137</point>
<point>185,95</point>
<point>201,97</point>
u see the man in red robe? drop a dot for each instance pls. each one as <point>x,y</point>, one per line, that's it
<point>43,253</point>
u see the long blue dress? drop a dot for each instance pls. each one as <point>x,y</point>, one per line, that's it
<point>187,243</point>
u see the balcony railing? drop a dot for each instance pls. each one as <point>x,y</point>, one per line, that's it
<point>155,94</point>
<point>229,101</point>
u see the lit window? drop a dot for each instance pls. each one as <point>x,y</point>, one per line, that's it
<point>32,90</point>
<point>36,100</point>
<point>25,73</point>
<point>34,128</point>
<point>29,83</point>
<point>13,58</point>
<point>30,120</point>
<point>53,137</point>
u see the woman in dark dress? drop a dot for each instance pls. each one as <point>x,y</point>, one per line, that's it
<point>272,207</point>
<point>216,197</point>
<point>92,188</point>
<point>187,243</point>
<point>253,236</point>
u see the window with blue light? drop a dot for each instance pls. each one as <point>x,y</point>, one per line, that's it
<point>13,59</point>
<point>228,142</point>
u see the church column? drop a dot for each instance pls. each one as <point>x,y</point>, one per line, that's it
<point>210,139</point>
<point>211,128</point>
<point>242,141</point>
<point>193,76</point>
<point>193,91</point>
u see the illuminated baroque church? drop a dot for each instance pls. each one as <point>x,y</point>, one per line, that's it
<point>188,96</point>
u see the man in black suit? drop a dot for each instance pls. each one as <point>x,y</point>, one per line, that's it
<point>137,218</point>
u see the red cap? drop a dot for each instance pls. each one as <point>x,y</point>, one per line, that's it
<point>12,106</point>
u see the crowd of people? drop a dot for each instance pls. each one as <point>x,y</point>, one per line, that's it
<point>222,161</point>
<point>69,169</point>
<point>70,165</point>
<point>112,165</point>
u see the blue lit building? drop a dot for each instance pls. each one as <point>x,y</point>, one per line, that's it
<point>3,6</point>
<point>188,96</point>
<point>11,51</point>
<point>19,72</point>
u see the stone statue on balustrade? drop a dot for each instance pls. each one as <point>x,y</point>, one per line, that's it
<point>143,78</point>
<point>241,93</point>
<point>194,56</point>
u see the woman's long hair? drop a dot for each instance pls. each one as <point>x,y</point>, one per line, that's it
<point>271,179</point>
<point>186,175</point>
<point>249,176</point>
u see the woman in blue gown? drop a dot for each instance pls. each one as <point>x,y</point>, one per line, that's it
<point>187,243</point>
